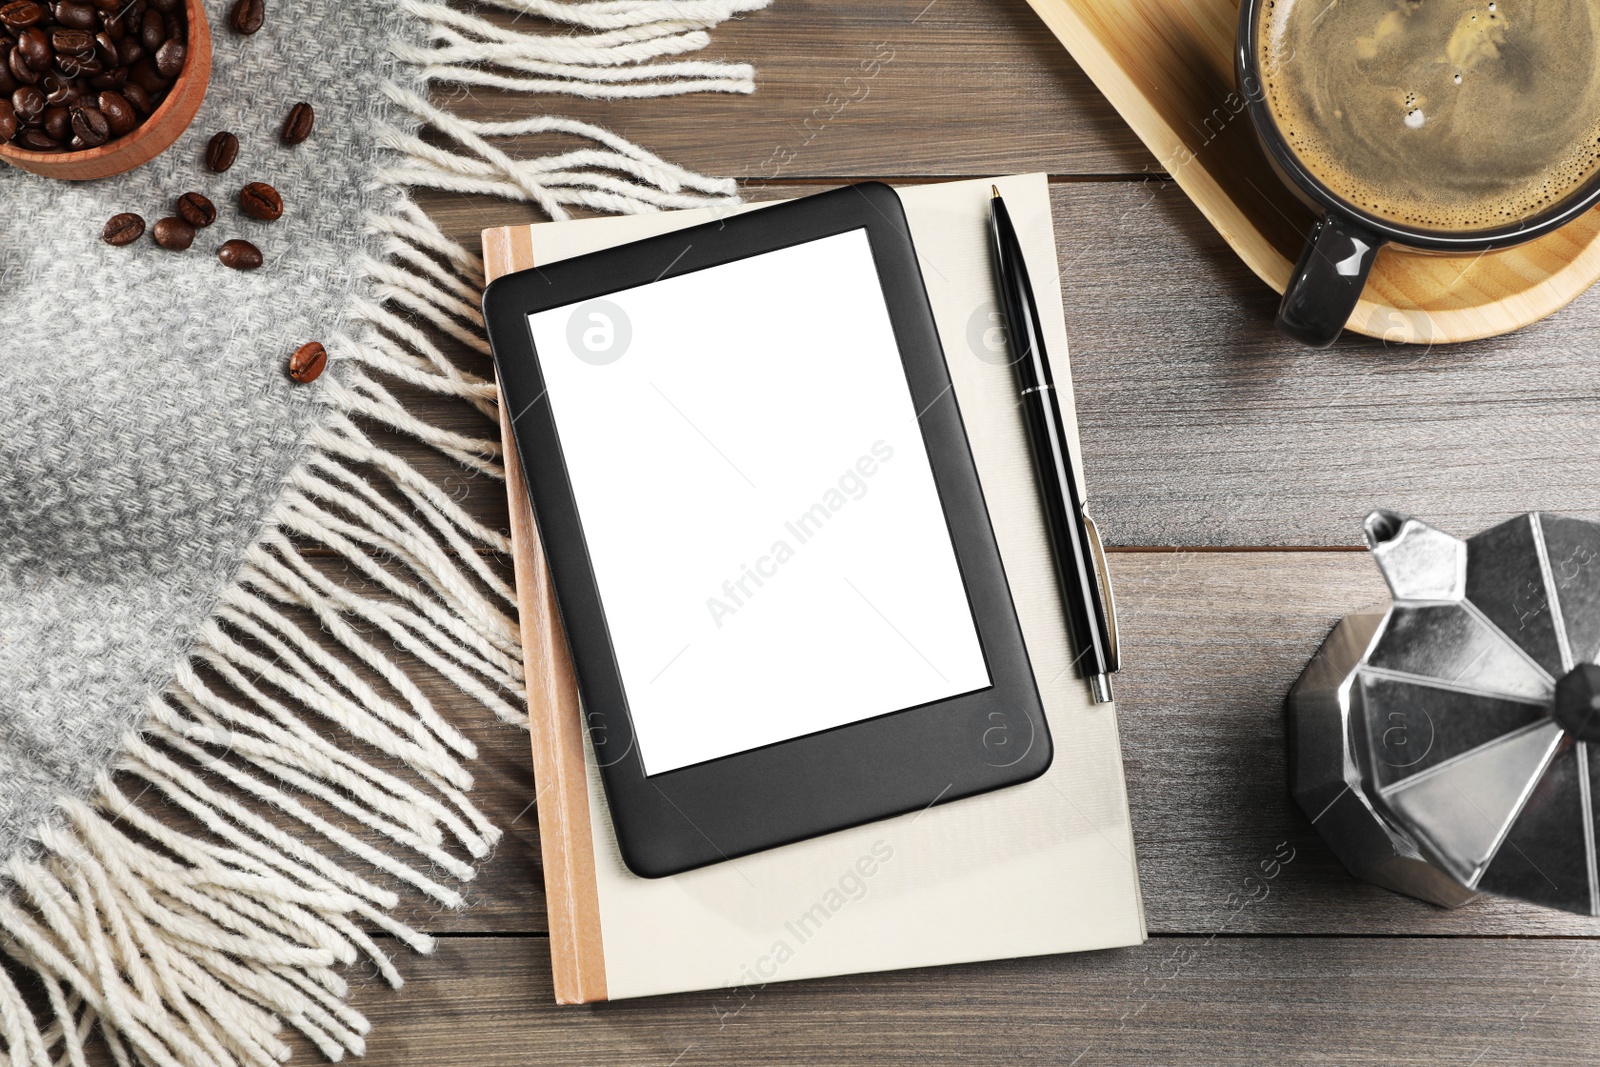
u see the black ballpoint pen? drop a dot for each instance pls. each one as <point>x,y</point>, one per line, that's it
<point>1075,543</point>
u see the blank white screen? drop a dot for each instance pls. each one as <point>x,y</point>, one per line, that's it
<point>759,509</point>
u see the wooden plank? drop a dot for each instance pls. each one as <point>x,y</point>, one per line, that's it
<point>1239,1001</point>
<point>1212,642</point>
<point>1202,427</point>
<point>843,91</point>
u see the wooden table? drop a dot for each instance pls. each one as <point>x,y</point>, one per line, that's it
<point>1231,470</point>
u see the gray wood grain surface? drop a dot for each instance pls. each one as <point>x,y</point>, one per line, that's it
<point>1212,640</point>
<point>970,87</point>
<point>1194,1001</point>
<point>1202,427</point>
<point>1206,437</point>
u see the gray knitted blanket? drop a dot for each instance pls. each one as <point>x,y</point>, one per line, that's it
<point>148,420</point>
<point>166,645</point>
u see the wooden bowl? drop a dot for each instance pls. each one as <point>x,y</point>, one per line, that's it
<point>152,137</point>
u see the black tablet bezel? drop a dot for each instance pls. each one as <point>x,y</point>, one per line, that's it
<point>895,763</point>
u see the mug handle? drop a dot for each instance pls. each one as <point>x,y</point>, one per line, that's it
<point>1327,282</point>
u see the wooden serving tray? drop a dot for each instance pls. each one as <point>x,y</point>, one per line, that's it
<point>1167,67</point>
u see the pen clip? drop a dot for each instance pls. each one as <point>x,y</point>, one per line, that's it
<point>1108,599</point>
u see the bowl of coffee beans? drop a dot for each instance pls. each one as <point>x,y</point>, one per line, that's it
<point>91,88</point>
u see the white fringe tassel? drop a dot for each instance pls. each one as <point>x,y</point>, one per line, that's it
<point>194,946</point>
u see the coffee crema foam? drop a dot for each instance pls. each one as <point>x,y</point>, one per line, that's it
<point>1447,115</point>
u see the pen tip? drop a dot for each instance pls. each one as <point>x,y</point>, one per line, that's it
<point>996,190</point>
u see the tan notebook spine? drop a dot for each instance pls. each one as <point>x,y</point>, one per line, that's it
<point>572,901</point>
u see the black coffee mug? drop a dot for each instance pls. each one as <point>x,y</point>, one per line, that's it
<point>1327,281</point>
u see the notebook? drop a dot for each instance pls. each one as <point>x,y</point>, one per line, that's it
<point>1044,867</point>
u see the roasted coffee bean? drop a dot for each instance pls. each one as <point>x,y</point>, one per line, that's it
<point>240,255</point>
<point>8,121</point>
<point>86,64</point>
<point>197,210</point>
<point>123,229</point>
<point>74,68</point>
<point>34,46</point>
<point>72,42</point>
<point>76,15</point>
<point>115,27</point>
<point>37,141</point>
<point>105,50</point>
<point>29,104</point>
<point>118,112</point>
<point>308,362</point>
<point>130,51</point>
<point>58,91</point>
<point>145,75</point>
<point>169,59</point>
<point>90,126</point>
<point>19,68</point>
<point>261,201</point>
<point>248,15</point>
<point>8,80</point>
<point>84,67</point>
<point>166,7</point>
<point>20,14</point>
<point>222,151</point>
<point>111,79</point>
<point>57,122</point>
<point>138,98</point>
<point>71,66</point>
<point>297,127</point>
<point>152,31</point>
<point>173,234</point>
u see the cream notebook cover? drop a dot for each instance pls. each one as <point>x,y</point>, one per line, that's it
<point>1039,868</point>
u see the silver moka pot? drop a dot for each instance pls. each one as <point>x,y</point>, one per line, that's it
<point>1450,744</point>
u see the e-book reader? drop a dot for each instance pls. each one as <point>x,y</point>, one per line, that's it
<point>774,564</point>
